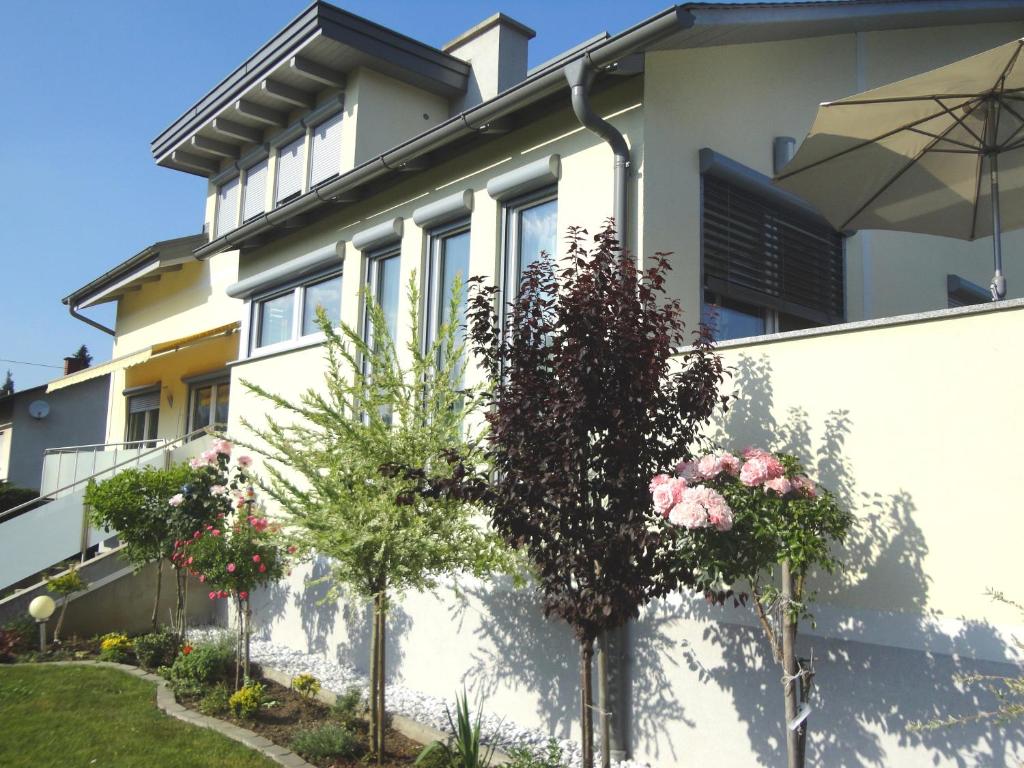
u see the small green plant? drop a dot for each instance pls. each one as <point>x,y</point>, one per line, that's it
<point>247,700</point>
<point>196,668</point>
<point>216,701</point>
<point>307,686</point>
<point>524,758</point>
<point>348,708</point>
<point>435,756</point>
<point>465,749</point>
<point>327,741</point>
<point>115,646</point>
<point>157,649</point>
<point>65,585</point>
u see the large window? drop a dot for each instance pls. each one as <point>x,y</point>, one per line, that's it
<point>530,229</point>
<point>143,416</point>
<point>382,285</point>
<point>449,259</point>
<point>289,314</point>
<point>208,404</point>
<point>768,267</point>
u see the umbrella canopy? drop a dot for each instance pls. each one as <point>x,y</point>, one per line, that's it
<point>941,153</point>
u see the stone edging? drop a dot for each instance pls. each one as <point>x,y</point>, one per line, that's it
<point>167,703</point>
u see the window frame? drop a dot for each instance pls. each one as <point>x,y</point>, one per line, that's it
<point>432,297</point>
<point>147,441</point>
<point>297,288</point>
<point>510,267</point>
<point>214,381</point>
<point>304,138</point>
<point>311,131</point>
<point>244,175</point>
<point>218,208</point>
<point>373,260</point>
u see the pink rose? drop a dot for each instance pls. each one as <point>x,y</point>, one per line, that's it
<point>231,567</point>
<point>709,466</point>
<point>222,446</point>
<point>215,532</point>
<point>664,498</point>
<point>218,490</point>
<point>291,550</point>
<point>750,452</point>
<point>263,568</point>
<point>189,561</point>
<point>244,461</point>
<point>754,471</point>
<point>213,595</point>
<point>805,486</point>
<point>700,507</point>
<point>176,500</point>
<point>209,457</point>
<point>255,558</point>
<point>658,480</point>
<point>687,470</point>
<point>729,464</point>
<point>197,534</point>
<point>243,595</point>
<point>201,578</point>
<point>780,485</point>
<point>222,593</point>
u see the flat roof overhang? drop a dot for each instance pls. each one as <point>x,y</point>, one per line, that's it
<point>312,53</point>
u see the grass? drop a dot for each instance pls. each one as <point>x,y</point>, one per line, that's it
<point>81,716</point>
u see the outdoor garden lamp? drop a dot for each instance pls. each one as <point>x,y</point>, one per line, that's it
<point>42,608</point>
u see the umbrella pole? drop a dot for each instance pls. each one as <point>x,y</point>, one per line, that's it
<point>998,286</point>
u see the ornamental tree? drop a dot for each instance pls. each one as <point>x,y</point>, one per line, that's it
<point>65,585</point>
<point>762,521</point>
<point>235,556</point>
<point>327,452</point>
<point>587,403</point>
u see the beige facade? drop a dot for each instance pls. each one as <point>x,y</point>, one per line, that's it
<point>903,417</point>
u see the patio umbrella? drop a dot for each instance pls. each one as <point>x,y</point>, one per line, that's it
<point>934,154</point>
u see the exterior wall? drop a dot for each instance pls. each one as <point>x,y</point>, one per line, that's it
<point>891,632</point>
<point>736,99</point>
<point>77,416</point>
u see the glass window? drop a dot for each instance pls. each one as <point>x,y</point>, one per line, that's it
<point>326,294</point>
<point>534,232</point>
<point>384,288</point>
<point>275,319</point>
<point>729,319</point>
<point>143,417</point>
<point>209,405</point>
<point>453,253</point>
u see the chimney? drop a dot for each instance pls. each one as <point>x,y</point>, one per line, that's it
<point>74,365</point>
<point>496,51</point>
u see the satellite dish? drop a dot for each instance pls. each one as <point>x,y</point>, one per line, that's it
<point>38,409</point>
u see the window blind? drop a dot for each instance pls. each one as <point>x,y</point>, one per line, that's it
<point>147,401</point>
<point>758,251</point>
<point>227,206</point>
<point>254,202</point>
<point>290,162</point>
<point>325,155</point>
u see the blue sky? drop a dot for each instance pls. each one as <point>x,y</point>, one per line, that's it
<point>88,85</point>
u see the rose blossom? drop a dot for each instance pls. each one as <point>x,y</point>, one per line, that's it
<point>218,490</point>
<point>176,500</point>
<point>243,595</point>
<point>729,464</point>
<point>255,558</point>
<point>263,568</point>
<point>668,494</point>
<point>780,485</point>
<point>222,446</point>
<point>658,480</point>
<point>805,486</point>
<point>202,578</point>
<point>687,470</point>
<point>702,506</point>
<point>291,550</point>
<point>209,456</point>
<point>244,461</point>
<point>213,595</point>
<point>709,466</point>
<point>231,567</point>
<point>215,532</point>
<point>754,471</point>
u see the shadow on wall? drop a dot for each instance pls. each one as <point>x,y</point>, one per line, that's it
<point>354,650</point>
<point>268,604</point>
<point>318,611</point>
<point>865,694</point>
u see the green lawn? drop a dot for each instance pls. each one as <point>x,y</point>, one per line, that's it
<point>78,717</point>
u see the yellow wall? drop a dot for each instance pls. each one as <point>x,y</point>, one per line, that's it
<point>735,99</point>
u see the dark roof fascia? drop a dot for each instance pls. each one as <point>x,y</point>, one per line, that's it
<point>143,257</point>
<point>421,64</point>
<point>682,26</point>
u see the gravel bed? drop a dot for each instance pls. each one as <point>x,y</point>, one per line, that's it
<point>422,707</point>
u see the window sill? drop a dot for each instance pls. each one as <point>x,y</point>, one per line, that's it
<point>282,348</point>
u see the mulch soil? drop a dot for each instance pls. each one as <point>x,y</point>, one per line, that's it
<point>291,714</point>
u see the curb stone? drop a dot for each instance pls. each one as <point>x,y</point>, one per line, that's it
<point>166,702</point>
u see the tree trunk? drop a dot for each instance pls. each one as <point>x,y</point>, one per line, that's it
<point>374,679</point>
<point>586,704</point>
<point>238,644</point>
<point>156,602</point>
<point>247,634</point>
<point>794,738</point>
<point>381,679</point>
<point>603,707</point>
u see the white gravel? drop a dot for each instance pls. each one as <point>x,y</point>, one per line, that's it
<point>422,707</point>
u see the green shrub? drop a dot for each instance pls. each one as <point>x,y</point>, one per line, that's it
<point>156,649</point>
<point>466,748</point>
<point>327,741</point>
<point>216,701</point>
<point>524,758</point>
<point>115,646</point>
<point>247,700</point>
<point>306,685</point>
<point>348,708</point>
<point>196,668</point>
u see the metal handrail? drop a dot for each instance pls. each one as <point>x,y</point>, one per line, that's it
<point>169,443</point>
<point>130,443</point>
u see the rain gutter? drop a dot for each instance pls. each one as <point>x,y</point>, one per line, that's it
<point>473,121</point>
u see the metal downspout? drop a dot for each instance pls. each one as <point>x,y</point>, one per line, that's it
<point>580,74</point>
<point>98,326</point>
<point>614,696</point>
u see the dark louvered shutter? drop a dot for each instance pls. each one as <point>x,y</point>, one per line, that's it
<point>761,252</point>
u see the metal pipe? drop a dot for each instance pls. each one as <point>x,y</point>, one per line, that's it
<point>99,326</point>
<point>998,286</point>
<point>580,74</point>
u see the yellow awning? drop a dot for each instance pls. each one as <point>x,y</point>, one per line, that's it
<point>136,358</point>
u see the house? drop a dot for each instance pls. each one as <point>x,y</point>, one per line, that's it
<point>342,154</point>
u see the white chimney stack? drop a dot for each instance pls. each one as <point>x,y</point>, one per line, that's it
<point>496,51</point>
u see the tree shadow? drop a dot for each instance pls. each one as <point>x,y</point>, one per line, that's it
<point>882,661</point>
<point>318,610</point>
<point>354,650</point>
<point>268,604</point>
